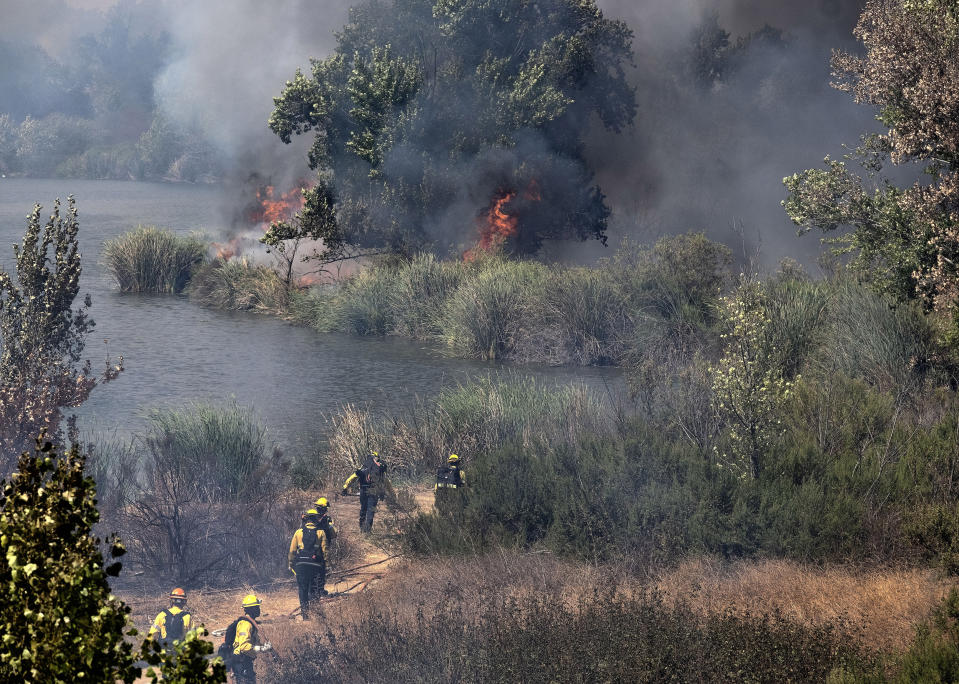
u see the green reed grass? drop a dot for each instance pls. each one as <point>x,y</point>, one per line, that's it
<point>240,285</point>
<point>151,259</point>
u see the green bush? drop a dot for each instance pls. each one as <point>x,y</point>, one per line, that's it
<point>239,285</point>
<point>850,479</point>
<point>487,313</point>
<point>419,293</point>
<point>61,621</point>
<point>149,259</point>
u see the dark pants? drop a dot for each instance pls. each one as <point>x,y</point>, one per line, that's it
<point>368,502</point>
<point>310,580</point>
<point>241,667</point>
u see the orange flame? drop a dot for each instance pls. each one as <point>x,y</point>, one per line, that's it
<point>497,226</point>
<point>273,208</point>
<point>226,250</point>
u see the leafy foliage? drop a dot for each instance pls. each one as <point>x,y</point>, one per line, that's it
<point>42,335</point>
<point>749,385</point>
<point>904,240</point>
<point>60,621</point>
<point>424,97</point>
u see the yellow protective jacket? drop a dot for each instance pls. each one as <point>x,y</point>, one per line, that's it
<point>296,544</point>
<point>247,636</point>
<point>379,483</point>
<point>159,624</point>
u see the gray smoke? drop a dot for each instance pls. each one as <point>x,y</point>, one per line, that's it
<point>697,158</point>
<point>714,159</point>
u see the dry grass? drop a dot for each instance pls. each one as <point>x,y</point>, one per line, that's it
<point>880,607</point>
<point>885,605</point>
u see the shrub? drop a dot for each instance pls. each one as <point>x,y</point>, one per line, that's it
<point>60,620</point>
<point>486,314</point>
<point>468,419</point>
<point>419,294</point>
<point>889,346</point>
<point>149,259</point>
<point>586,321</point>
<point>208,506</point>
<point>239,285</point>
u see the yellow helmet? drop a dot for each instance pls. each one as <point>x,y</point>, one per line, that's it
<point>312,511</point>
<point>321,502</point>
<point>251,601</point>
<point>453,458</point>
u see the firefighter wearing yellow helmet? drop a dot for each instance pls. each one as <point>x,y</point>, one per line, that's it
<point>374,486</point>
<point>242,642</point>
<point>448,490</point>
<point>307,560</point>
<point>172,623</point>
<point>322,506</point>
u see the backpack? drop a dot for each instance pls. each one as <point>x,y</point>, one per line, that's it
<point>225,650</point>
<point>448,476</point>
<point>174,625</point>
<point>365,473</point>
<point>326,524</point>
<point>310,550</point>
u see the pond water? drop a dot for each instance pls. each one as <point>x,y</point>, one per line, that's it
<point>175,351</point>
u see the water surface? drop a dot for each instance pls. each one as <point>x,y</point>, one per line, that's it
<point>175,351</point>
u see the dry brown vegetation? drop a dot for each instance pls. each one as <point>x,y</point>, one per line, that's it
<point>878,607</point>
<point>882,605</point>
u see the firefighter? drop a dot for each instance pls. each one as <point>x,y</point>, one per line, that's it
<point>172,623</point>
<point>326,524</point>
<point>242,642</point>
<point>307,560</point>
<point>448,490</point>
<point>374,485</point>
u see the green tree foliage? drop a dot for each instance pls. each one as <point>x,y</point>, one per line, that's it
<point>60,622</point>
<point>425,101</point>
<point>749,384</point>
<point>41,335</point>
<point>188,664</point>
<point>905,241</point>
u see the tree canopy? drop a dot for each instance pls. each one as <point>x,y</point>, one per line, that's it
<point>904,240</point>
<point>42,336</point>
<point>429,111</point>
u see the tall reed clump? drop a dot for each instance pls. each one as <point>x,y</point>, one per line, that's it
<point>420,292</point>
<point>240,285</point>
<point>359,305</point>
<point>150,259</point>
<point>487,313</point>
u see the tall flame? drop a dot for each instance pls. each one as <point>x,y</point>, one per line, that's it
<point>497,226</point>
<point>268,208</point>
<point>272,208</point>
